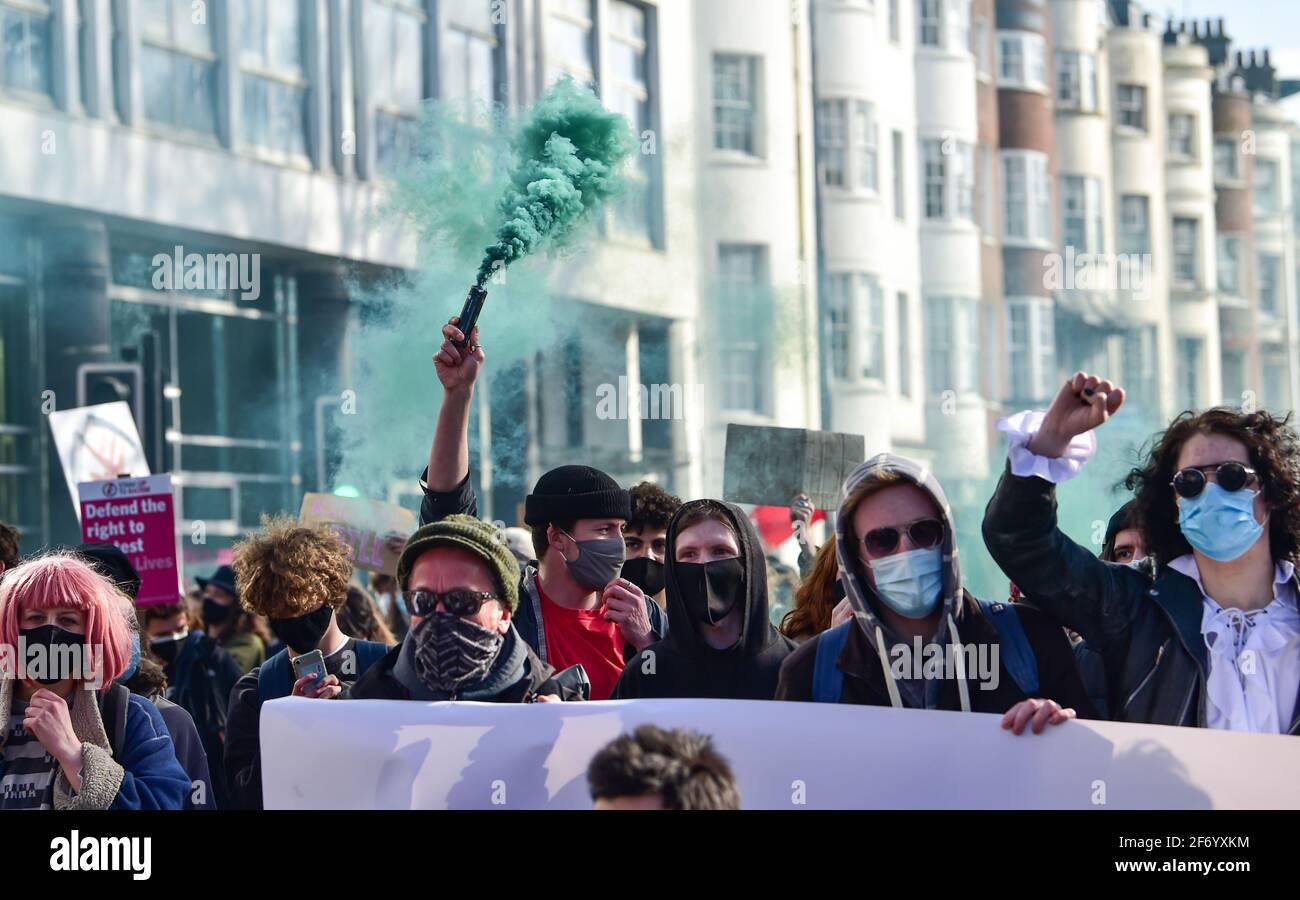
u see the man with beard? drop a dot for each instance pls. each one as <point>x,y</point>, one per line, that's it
<point>461,585</point>
<point>296,576</point>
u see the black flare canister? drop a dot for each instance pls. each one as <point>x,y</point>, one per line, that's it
<point>474,301</point>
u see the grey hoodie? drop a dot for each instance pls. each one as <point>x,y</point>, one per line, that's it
<point>862,597</point>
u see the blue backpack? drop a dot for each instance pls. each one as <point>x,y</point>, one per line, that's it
<point>1016,655</point>
<point>275,677</point>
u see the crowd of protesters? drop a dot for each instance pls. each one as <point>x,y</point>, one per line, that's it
<point>1188,616</point>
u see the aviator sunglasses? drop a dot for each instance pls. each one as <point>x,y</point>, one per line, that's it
<point>925,533</point>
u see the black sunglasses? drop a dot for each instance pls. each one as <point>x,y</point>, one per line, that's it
<point>459,602</point>
<point>925,533</point>
<point>1231,476</point>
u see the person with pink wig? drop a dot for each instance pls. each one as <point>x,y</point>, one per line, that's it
<point>70,738</point>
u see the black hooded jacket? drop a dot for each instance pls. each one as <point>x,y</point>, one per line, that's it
<point>683,665</point>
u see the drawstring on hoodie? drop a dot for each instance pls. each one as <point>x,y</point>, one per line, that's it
<point>894,699</point>
<point>962,690</point>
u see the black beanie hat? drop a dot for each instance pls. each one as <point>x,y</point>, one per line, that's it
<point>576,492</point>
<point>113,564</point>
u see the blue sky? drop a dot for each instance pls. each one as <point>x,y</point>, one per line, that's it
<point>1252,24</point>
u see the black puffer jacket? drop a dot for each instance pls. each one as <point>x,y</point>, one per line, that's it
<point>1146,628</point>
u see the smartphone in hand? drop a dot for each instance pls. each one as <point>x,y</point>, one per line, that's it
<point>312,663</point>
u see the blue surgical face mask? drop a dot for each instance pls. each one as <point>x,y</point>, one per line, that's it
<point>135,660</point>
<point>910,583</point>
<point>1220,524</point>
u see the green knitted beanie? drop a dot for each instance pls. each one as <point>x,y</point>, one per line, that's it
<point>474,535</point>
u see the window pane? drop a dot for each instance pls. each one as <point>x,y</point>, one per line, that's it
<point>471,14</point>
<point>569,43</point>
<point>196,99</point>
<point>379,35</point>
<point>626,61</point>
<point>285,35</point>
<point>627,19</point>
<point>155,19</point>
<point>252,21</point>
<point>26,50</point>
<point>156,82</point>
<point>733,102</point>
<point>904,317</point>
<point>407,61</point>
<point>192,25</point>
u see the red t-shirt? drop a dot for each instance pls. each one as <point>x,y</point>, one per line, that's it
<point>583,636</point>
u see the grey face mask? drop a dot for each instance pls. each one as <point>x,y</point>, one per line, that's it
<point>599,561</point>
<point>451,652</point>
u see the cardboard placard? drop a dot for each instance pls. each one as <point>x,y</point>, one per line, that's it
<point>138,516</point>
<point>96,443</point>
<point>767,466</point>
<point>365,525</point>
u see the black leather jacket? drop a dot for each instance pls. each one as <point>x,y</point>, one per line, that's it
<point>1146,627</point>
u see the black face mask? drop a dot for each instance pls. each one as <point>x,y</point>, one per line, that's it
<point>168,649</point>
<point>645,573</point>
<point>58,663</point>
<point>214,613</point>
<point>303,633</point>
<point>711,590</point>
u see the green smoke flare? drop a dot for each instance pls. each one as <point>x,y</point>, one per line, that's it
<point>567,153</point>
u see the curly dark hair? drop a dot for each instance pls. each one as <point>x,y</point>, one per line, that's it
<point>652,507</point>
<point>1274,450</point>
<point>679,765</point>
<point>289,570</point>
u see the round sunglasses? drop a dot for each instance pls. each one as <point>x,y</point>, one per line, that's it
<point>1231,476</point>
<point>458,602</point>
<point>924,534</point>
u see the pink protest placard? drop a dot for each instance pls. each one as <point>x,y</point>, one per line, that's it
<point>138,516</point>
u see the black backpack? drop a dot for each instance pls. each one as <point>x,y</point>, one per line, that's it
<point>113,707</point>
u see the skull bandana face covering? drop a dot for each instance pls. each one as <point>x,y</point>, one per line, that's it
<point>451,652</point>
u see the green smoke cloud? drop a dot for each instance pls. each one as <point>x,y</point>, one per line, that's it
<point>567,155</point>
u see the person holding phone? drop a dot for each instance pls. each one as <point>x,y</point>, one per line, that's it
<point>297,576</point>
<point>1209,635</point>
<point>461,584</point>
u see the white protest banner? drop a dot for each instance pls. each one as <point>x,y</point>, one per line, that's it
<point>366,526</point>
<point>386,754</point>
<point>138,516</point>
<point>97,443</point>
